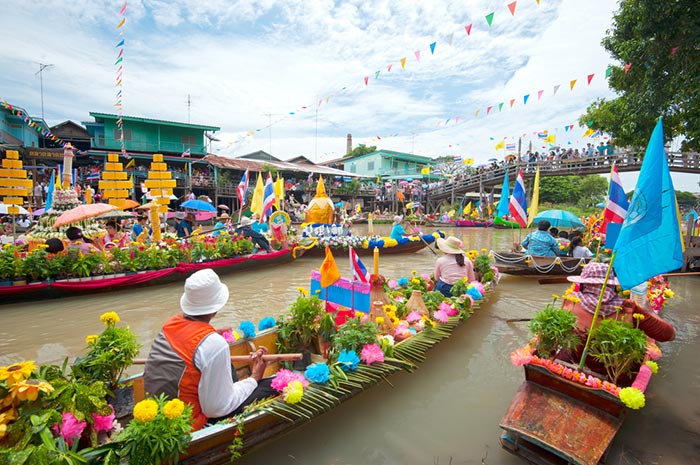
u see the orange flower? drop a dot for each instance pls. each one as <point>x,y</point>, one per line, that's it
<point>29,389</point>
<point>17,372</point>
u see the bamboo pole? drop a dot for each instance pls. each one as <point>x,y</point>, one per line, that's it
<point>269,358</point>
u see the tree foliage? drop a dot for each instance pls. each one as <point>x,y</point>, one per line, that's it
<point>660,42</point>
<point>360,150</point>
<point>585,191</point>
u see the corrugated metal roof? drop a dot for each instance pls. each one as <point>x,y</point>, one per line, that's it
<point>243,164</point>
<point>152,121</point>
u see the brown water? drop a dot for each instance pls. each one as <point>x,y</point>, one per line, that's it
<point>446,412</point>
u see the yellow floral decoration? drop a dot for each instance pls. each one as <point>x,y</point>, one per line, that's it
<point>174,408</point>
<point>146,410</point>
<point>632,397</point>
<point>109,318</point>
<point>17,372</point>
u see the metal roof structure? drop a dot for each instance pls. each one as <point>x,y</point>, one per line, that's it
<point>243,164</point>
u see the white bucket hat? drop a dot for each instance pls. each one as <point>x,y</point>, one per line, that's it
<point>245,221</point>
<point>204,293</point>
<point>451,245</point>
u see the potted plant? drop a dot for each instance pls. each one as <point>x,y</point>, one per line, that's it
<point>107,357</point>
<point>300,327</point>
<point>354,334</point>
<point>619,346</point>
<point>10,262</point>
<point>554,329</point>
<point>35,265</point>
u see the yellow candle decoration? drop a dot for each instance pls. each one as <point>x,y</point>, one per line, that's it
<point>376,260</point>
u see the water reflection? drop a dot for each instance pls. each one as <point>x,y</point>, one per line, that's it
<point>448,410</point>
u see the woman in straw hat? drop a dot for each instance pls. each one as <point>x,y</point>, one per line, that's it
<point>452,266</point>
<point>223,224</point>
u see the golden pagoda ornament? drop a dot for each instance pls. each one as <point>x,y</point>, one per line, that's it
<point>160,184</point>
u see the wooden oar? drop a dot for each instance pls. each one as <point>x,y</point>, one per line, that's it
<point>270,358</point>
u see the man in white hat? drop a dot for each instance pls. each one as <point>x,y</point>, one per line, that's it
<point>245,229</point>
<point>190,360</point>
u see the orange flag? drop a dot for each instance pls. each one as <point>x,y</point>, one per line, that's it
<point>329,270</point>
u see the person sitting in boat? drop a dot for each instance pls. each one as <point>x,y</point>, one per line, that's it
<point>397,231</point>
<point>540,243</point>
<point>257,226</point>
<point>190,360</point>
<point>138,228</point>
<point>78,241</point>
<point>114,236</point>
<point>578,250</point>
<point>590,284</point>
<point>182,228</point>
<point>452,266</point>
<point>244,229</point>
<point>222,225</point>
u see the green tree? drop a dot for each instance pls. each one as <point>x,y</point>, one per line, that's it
<point>657,48</point>
<point>558,189</point>
<point>592,189</point>
<point>686,199</point>
<point>361,149</point>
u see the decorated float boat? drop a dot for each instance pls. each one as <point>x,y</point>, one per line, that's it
<point>528,266</point>
<point>500,223</point>
<point>358,349</point>
<point>473,223</point>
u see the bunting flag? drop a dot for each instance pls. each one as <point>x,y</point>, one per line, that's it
<point>532,212</point>
<point>649,241</point>
<point>517,205</point>
<point>572,83</point>
<point>119,79</point>
<point>502,209</point>
<point>489,18</point>
<point>468,28</point>
<point>500,145</point>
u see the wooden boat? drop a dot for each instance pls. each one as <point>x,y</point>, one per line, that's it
<point>106,283</point>
<point>552,420</point>
<point>408,247</point>
<point>473,224</point>
<point>269,419</point>
<point>500,223</point>
<point>520,264</point>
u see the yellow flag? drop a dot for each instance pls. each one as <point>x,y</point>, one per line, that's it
<point>467,209</point>
<point>130,164</point>
<point>588,132</point>
<point>500,145</point>
<point>551,139</point>
<point>534,203</point>
<point>256,205</point>
<point>450,213</point>
<point>279,191</point>
<point>425,170</point>
<point>329,269</point>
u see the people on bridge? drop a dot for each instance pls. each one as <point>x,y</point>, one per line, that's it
<point>540,243</point>
<point>452,266</point>
<point>190,360</point>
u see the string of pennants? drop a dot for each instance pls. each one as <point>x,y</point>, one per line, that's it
<point>119,65</point>
<point>467,29</point>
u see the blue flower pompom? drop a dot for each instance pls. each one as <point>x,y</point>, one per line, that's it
<point>266,323</point>
<point>317,373</point>
<point>474,293</point>
<point>348,360</point>
<point>247,328</point>
<point>402,282</point>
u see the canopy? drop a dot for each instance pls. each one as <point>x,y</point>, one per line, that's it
<point>200,205</point>
<point>4,207</point>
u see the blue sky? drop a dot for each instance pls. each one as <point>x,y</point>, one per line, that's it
<point>245,63</point>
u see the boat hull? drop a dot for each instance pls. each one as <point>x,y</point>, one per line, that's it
<point>473,224</point>
<point>518,264</point>
<point>407,248</point>
<point>110,283</point>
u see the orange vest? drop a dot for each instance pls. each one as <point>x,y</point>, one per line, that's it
<point>184,337</point>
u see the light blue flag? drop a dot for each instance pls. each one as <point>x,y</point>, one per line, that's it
<point>49,192</point>
<point>649,242</point>
<point>503,202</point>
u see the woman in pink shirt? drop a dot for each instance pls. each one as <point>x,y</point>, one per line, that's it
<point>452,266</point>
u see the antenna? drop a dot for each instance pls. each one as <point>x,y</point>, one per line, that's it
<point>42,67</point>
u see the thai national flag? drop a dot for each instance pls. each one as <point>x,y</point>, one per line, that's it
<point>518,202</point>
<point>268,198</point>
<point>242,189</point>
<point>186,153</point>
<point>359,272</point>
<point>94,175</point>
<point>617,204</point>
<point>458,158</point>
<point>510,147</point>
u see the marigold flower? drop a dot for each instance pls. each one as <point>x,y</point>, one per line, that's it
<point>146,410</point>
<point>638,316</point>
<point>174,408</point>
<point>17,372</point>
<point>109,318</point>
<point>632,397</point>
<point>29,389</point>
<point>294,392</point>
<point>379,320</point>
<point>91,339</point>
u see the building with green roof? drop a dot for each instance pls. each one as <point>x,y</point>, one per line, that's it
<point>388,164</point>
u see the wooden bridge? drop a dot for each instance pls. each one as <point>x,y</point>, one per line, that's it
<point>489,179</point>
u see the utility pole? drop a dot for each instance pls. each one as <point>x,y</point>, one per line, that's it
<point>42,67</point>
<point>189,105</point>
<point>269,130</point>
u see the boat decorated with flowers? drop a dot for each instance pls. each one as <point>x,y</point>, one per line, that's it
<point>565,413</point>
<point>345,351</point>
<point>528,266</point>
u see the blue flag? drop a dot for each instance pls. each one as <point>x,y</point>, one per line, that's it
<point>649,242</point>
<point>503,203</point>
<point>49,192</point>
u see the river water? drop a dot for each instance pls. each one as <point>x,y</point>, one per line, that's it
<point>445,412</point>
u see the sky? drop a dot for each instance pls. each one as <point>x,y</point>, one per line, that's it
<point>295,77</point>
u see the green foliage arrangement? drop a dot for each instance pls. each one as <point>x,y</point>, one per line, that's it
<point>109,353</point>
<point>300,327</point>
<point>10,263</point>
<point>618,346</point>
<point>554,329</point>
<point>353,335</point>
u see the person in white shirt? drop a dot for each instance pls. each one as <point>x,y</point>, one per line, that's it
<point>577,250</point>
<point>190,360</point>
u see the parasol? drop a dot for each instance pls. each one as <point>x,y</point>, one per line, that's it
<point>223,207</point>
<point>559,218</point>
<point>128,203</point>
<point>148,205</point>
<point>82,212</point>
<point>4,207</point>
<point>115,215</point>
<point>200,205</point>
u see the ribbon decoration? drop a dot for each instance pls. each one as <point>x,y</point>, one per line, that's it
<point>119,63</point>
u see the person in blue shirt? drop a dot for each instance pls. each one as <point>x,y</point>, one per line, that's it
<point>221,225</point>
<point>540,243</point>
<point>257,226</point>
<point>397,231</point>
<point>139,227</point>
<point>182,228</point>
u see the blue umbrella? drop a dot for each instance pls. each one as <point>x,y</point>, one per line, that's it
<point>559,218</point>
<point>200,205</point>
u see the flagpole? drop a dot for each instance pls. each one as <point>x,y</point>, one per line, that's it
<point>597,309</point>
<point>352,280</point>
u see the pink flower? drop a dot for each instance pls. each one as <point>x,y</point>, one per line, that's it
<point>419,325</point>
<point>371,353</point>
<point>392,284</point>
<point>479,286</point>
<point>284,377</point>
<point>400,330</point>
<point>70,428</point>
<point>426,276</point>
<point>413,317</point>
<point>103,423</point>
<point>399,298</point>
<point>521,357</point>
<point>440,316</point>
<point>448,308</point>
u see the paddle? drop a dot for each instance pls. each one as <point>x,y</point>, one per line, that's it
<point>269,358</point>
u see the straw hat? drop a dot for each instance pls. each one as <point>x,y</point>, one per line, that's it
<point>224,216</point>
<point>245,221</point>
<point>451,245</point>
<point>594,273</point>
<point>204,293</point>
